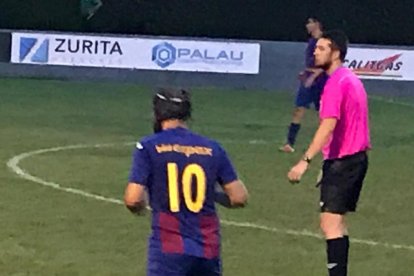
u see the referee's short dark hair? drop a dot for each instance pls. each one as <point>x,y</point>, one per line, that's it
<point>339,41</point>
<point>172,103</point>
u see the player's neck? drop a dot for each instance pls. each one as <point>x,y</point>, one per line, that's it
<point>335,65</point>
<point>316,34</point>
<point>169,124</point>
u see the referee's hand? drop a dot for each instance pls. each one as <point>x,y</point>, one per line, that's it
<point>297,171</point>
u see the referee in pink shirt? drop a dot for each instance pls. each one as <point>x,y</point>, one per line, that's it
<point>343,137</point>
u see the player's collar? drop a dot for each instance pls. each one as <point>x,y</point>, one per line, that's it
<point>177,128</point>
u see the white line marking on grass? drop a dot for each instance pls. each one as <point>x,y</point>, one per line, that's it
<point>13,164</point>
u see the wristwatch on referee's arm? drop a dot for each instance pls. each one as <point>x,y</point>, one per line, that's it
<point>306,159</point>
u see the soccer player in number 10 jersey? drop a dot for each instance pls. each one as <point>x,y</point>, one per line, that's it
<point>184,175</point>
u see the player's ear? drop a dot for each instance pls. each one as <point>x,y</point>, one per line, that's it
<point>336,54</point>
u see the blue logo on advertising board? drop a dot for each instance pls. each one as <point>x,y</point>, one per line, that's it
<point>40,48</point>
<point>164,54</point>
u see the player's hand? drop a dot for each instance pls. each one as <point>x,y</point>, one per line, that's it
<point>297,171</point>
<point>309,81</point>
<point>302,76</point>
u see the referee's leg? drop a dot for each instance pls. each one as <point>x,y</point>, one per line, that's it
<point>337,242</point>
<point>334,206</point>
<point>340,189</point>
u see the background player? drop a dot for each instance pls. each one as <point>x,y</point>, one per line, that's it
<point>312,81</point>
<point>180,170</point>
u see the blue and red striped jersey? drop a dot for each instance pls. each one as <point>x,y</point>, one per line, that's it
<point>180,170</point>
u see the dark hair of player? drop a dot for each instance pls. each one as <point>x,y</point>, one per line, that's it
<point>339,41</point>
<point>171,103</point>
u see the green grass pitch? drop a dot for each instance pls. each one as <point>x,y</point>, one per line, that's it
<point>44,231</point>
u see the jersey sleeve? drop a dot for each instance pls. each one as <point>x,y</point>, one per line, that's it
<point>226,172</point>
<point>140,168</point>
<point>331,101</point>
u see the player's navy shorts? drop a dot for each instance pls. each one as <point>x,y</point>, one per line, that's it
<point>308,95</point>
<point>341,183</point>
<point>161,264</point>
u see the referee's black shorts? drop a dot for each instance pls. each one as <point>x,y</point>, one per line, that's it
<point>341,183</point>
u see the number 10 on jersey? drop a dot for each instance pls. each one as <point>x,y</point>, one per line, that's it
<point>190,172</point>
